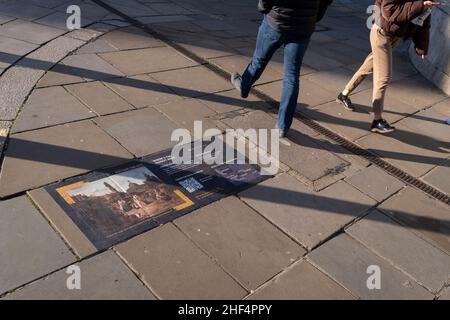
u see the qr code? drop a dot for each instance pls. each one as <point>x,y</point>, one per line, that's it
<point>191,185</point>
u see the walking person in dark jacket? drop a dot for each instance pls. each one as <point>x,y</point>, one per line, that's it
<point>396,19</point>
<point>287,23</point>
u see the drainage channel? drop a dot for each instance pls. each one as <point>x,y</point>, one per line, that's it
<point>348,145</point>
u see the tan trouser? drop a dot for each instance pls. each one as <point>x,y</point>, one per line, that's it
<point>378,62</point>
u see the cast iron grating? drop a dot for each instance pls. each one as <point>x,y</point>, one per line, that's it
<point>350,146</point>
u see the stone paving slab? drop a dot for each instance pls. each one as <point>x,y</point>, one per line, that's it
<point>302,282</point>
<point>336,79</point>
<point>394,109</point>
<point>186,112</point>
<point>30,31</point>
<point>148,60</point>
<point>417,92</point>
<point>307,216</point>
<point>431,124</point>
<point>438,177</point>
<point>24,11</point>
<point>376,183</point>
<point>99,98</point>
<point>407,149</point>
<point>316,60</point>
<point>12,50</point>
<point>352,125</point>
<point>302,151</point>
<point>131,38</point>
<point>443,108</point>
<point>98,46</point>
<point>240,240</point>
<point>103,277</point>
<point>90,67</point>
<point>346,261</point>
<point>445,295</point>
<point>142,91</point>
<point>4,19</point>
<point>59,20</point>
<point>17,82</point>
<point>192,82</point>
<point>208,49</point>
<point>230,101</point>
<point>58,75</point>
<point>47,155</point>
<point>50,106</point>
<point>29,248</point>
<point>425,216</point>
<point>418,258</point>
<point>141,132</point>
<point>75,238</point>
<point>310,93</point>
<point>239,64</point>
<point>169,263</point>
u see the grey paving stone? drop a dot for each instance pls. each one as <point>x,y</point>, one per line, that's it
<point>142,91</point>
<point>347,261</point>
<point>418,258</point>
<point>4,19</point>
<point>17,82</point>
<point>208,49</point>
<point>174,268</point>
<point>438,177</point>
<point>394,109</point>
<point>407,149</point>
<point>417,92</point>
<point>445,295</point>
<point>240,240</point>
<point>336,80</point>
<point>47,155</point>
<point>99,98</point>
<point>302,282</point>
<point>103,277</point>
<point>12,50</point>
<point>142,132</point>
<point>4,132</point>
<point>430,124</point>
<point>443,108</point>
<point>97,46</point>
<point>186,112</point>
<point>310,93</point>
<point>239,64</point>
<point>29,31</point>
<point>375,183</point>
<point>169,8</point>
<point>24,11</point>
<point>425,216</point>
<point>50,106</point>
<point>131,38</point>
<point>352,125</point>
<point>192,82</point>
<point>90,67</point>
<point>148,60</point>
<point>316,60</point>
<point>29,248</point>
<point>230,101</point>
<point>307,216</point>
<point>59,20</point>
<point>65,226</point>
<point>58,75</point>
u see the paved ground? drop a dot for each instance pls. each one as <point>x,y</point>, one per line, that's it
<point>73,102</point>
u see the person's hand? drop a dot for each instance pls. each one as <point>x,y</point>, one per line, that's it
<point>431,4</point>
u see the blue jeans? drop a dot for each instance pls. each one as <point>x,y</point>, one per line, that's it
<point>267,42</point>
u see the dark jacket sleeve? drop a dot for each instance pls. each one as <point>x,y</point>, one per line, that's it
<point>401,11</point>
<point>264,6</point>
<point>323,6</point>
<point>421,37</point>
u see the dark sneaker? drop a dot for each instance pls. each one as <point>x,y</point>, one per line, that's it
<point>345,101</point>
<point>236,80</point>
<point>381,126</point>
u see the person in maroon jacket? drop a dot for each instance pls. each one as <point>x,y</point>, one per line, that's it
<point>395,19</point>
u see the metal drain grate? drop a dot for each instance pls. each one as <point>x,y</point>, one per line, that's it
<point>350,146</point>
